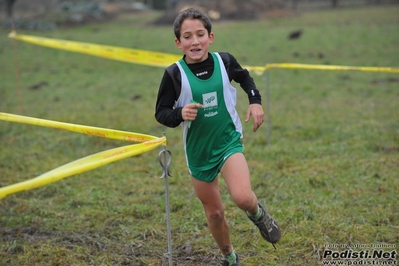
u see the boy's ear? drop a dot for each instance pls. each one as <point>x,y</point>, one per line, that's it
<point>177,42</point>
<point>211,37</point>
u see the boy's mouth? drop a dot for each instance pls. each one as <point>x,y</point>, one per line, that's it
<point>195,50</point>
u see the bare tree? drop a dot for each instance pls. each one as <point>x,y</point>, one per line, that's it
<point>334,3</point>
<point>9,5</point>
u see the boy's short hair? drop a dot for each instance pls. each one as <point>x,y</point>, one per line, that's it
<point>191,13</point>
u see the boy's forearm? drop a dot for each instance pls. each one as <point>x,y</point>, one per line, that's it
<point>169,117</point>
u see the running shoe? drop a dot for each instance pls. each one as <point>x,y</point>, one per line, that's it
<point>268,226</point>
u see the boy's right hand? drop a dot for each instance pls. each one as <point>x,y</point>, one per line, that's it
<point>189,112</point>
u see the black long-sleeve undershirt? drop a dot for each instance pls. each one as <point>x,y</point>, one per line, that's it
<point>170,87</point>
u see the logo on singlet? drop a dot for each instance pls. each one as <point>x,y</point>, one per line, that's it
<point>210,102</point>
<point>210,99</point>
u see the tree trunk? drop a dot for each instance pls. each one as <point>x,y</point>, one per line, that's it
<point>9,4</point>
<point>334,3</point>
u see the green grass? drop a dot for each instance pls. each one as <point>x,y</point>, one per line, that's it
<point>330,174</point>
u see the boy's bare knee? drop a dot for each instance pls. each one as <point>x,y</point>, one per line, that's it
<point>215,216</point>
<point>246,203</point>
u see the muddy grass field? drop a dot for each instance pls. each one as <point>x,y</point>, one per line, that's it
<point>329,174</point>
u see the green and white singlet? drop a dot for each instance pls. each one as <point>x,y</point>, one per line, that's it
<point>216,132</point>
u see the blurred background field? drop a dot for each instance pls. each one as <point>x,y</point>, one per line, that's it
<point>329,175</point>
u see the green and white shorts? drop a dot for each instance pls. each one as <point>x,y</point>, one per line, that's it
<point>210,174</point>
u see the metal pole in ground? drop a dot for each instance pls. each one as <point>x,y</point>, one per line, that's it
<point>165,159</point>
<point>268,129</point>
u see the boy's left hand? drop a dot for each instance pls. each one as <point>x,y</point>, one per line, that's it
<point>256,111</point>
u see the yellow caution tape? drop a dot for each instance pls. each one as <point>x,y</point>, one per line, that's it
<point>261,69</point>
<point>163,59</point>
<point>136,56</point>
<point>85,164</point>
<point>82,165</point>
<point>332,67</point>
<point>88,130</point>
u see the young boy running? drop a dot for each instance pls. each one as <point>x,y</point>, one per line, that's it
<point>196,92</point>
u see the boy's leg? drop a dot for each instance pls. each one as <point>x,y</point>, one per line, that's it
<point>236,175</point>
<point>208,194</point>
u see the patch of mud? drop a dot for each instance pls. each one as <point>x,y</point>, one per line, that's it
<point>94,243</point>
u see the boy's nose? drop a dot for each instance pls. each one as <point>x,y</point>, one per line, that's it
<point>195,41</point>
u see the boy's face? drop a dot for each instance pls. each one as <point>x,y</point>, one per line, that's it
<point>194,40</point>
